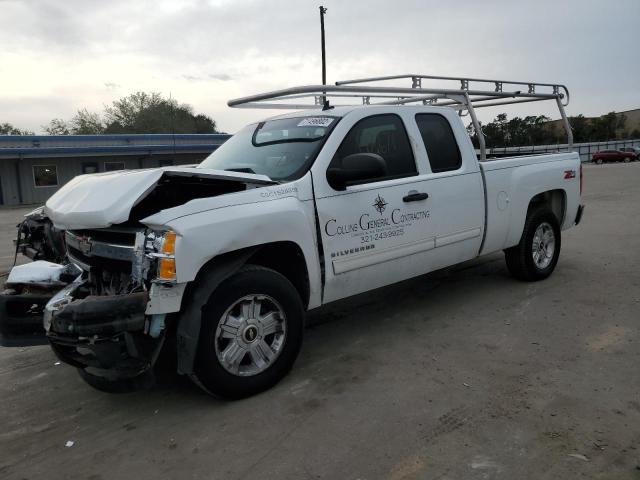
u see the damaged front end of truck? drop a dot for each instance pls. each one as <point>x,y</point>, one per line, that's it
<point>103,289</point>
<point>103,321</point>
<point>96,307</point>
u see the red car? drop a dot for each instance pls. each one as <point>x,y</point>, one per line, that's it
<point>634,150</point>
<point>613,156</point>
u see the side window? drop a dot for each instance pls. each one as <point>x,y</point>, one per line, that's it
<point>384,135</point>
<point>441,144</point>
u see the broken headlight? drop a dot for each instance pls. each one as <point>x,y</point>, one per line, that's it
<point>164,247</point>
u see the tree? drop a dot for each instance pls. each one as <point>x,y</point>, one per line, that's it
<point>471,131</point>
<point>530,130</point>
<point>495,132</point>
<point>86,123</point>
<point>123,114</point>
<point>8,129</point>
<point>57,126</point>
<point>205,124</point>
<point>541,130</point>
<point>140,112</point>
<point>621,123</point>
<point>151,113</point>
<point>581,128</point>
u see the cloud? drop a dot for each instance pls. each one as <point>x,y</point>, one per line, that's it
<point>223,77</point>
<point>206,52</point>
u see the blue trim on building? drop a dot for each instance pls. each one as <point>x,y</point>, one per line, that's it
<point>29,152</point>
<point>122,137</point>
<point>33,146</point>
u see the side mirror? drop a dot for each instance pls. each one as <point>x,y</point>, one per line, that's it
<point>356,167</point>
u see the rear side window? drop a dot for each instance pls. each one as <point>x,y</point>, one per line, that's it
<point>441,145</point>
<point>382,134</point>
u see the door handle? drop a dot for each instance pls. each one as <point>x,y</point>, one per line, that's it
<point>414,196</point>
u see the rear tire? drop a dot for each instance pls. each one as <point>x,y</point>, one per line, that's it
<point>599,161</point>
<point>250,335</point>
<point>536,256</point>
<point>626,160</point>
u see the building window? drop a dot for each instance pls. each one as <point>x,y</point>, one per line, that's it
<point>45,176</point>
<point>90,167</point>
<point>112,166</point>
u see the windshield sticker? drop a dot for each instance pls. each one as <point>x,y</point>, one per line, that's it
<point>316,122</point>
<point>279,192</point>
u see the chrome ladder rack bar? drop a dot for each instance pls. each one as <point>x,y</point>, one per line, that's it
<point>463,98</point>
<point>464,82</point>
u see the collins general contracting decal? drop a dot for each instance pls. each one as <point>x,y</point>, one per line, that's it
<point>369,228</point>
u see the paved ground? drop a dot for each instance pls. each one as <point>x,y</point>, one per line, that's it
<point>9,218</point>
<point>464,374</point>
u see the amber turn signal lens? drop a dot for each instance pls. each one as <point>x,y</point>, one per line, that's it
<point>169,243</point>
<point>167,269</point>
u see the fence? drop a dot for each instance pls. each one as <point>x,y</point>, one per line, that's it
<point>586,150</point>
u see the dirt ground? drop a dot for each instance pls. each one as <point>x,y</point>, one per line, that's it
<point>461,374</point>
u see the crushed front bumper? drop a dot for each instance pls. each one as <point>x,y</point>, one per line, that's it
<point>104,333</point>
<point>94,315</point>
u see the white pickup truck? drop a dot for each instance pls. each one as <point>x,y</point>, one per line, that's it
<point>291,213</point>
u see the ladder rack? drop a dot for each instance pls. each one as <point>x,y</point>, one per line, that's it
<point>467,94</point>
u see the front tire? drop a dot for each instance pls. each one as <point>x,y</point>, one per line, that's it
<point>250,335</point>
<point>536,256</point>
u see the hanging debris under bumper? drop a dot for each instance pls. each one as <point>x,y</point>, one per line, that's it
<point>105,333</point>
<point>28,289</point>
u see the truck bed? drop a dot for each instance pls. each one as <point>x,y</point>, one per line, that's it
<point>512,182</point>
<point>494,163</point>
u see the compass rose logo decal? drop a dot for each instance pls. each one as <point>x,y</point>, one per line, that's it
<point>380,205</point>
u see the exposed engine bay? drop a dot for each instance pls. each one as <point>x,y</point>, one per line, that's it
<point>105,309</point>
<point>38,239</point>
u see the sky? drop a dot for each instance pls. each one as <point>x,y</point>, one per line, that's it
<point>60,56</point>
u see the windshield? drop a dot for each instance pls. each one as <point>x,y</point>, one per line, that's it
<point>280,149</point>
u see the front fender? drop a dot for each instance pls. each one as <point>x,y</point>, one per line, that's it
<point>205,235</point>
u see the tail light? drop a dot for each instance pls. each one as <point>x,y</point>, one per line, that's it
<point>581,178</point>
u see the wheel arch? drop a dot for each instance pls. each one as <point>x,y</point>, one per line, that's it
<point>285,257</point>
<point>556,200</point>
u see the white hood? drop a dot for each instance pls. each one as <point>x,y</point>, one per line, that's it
<point>105,199</point>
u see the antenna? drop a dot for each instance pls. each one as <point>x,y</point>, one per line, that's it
<point>323,10</point>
